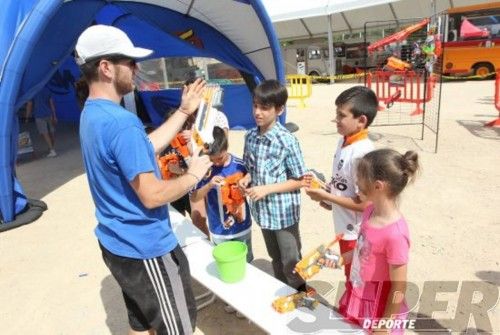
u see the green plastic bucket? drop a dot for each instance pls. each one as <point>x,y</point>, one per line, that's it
<point>231,260</point>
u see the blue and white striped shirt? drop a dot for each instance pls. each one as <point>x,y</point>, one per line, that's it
<point>272,158</point>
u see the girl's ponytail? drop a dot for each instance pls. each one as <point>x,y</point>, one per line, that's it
<point>410,165</point>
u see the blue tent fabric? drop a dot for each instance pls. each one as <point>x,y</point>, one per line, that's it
<point>55,44</point>
<point>214,45</point>
<point>62,86</point>
<point>38,37</point>
<point>20,200</point>
<point>13,14</point>
<point>235,102</point>
<point>19,48</point>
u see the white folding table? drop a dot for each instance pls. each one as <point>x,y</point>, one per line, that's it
<point>254,295</point>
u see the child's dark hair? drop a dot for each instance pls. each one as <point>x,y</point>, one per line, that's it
<point>390,166</point>
<point>363,101</point>
<point>220,142</point>
<point>270,93</point>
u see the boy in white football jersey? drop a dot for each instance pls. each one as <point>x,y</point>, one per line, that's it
<point>356,109</point>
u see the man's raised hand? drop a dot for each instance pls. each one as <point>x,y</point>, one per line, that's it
<point>191,96</point>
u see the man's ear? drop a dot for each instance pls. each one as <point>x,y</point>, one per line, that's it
<point>106,70</point>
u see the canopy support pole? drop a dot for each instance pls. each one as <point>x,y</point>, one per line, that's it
<point>331,56</point>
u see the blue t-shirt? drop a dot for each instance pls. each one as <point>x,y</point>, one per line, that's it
<point>41,105</point>
<point>115,150</point>
<point>220,223</point>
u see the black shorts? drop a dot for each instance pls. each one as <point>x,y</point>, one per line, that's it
<point>157,291</point>
<point>182,205</point>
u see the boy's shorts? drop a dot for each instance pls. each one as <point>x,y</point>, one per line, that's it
<point>157,291</point>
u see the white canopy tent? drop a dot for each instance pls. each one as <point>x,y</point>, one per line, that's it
<point>280,10</point>
<point>295,19</point>
<point>298,19</point>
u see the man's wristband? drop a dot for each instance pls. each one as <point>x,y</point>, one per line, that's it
<point>183,112</point>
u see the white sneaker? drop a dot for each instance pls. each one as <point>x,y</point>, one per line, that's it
<point>52,153</point>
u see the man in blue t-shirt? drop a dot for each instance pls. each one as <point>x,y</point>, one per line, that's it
<point>44,111</point>
<point>228,212</point>
<point>133,228</point>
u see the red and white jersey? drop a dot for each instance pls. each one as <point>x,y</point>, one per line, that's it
<point>343,184</point>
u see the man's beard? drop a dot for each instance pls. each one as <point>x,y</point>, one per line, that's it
<point>121,85</point>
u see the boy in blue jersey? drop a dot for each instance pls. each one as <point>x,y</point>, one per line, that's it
<point>134,229</point>
<point>228,212</point>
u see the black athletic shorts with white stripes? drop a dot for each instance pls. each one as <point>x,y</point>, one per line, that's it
<point>157,291</point>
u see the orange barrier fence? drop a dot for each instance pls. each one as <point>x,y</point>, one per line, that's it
<point>401,86</point>
<point>496,122</point>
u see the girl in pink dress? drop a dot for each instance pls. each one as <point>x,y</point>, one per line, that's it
<point>377,283</point>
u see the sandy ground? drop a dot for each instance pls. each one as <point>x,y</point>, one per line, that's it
<point>54,282</point>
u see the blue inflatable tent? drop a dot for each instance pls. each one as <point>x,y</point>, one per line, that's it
<point>38,37</point>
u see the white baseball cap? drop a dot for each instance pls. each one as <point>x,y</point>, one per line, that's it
<point>101,40</point>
